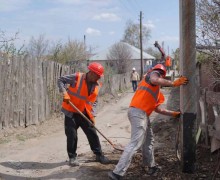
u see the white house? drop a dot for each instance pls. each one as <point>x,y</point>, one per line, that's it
<point>135,57</point>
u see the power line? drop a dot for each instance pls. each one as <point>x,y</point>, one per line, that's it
<point>129,10</point>
<point>134,4</point>
<point>138,5</point>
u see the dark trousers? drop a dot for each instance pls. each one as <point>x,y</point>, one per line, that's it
<point>134,85</point>
<point>71,126</point>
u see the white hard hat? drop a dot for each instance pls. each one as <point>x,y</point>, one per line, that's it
<point>133,69</point>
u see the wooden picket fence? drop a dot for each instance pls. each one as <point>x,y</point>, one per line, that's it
<point>28,90</point>
<point>29,93</point>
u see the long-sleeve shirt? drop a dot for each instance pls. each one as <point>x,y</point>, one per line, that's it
<point>63,83</point>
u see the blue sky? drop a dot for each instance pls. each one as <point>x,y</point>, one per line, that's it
<point>101,21</point>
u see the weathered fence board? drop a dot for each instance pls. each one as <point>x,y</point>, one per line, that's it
<point>21,92</point>
<point>29,92</point>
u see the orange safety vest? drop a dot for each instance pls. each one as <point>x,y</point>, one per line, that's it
<point>168,61</point>
<point>147,97</point>
<point>79,96</point>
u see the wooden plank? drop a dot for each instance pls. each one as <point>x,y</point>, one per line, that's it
<point>28,91</point>
<point>204,117</point>
<point>198,134</point>
<point>45,81</point>
<point>21,92</point>
<point>2,79</point>
<point>7,94</point>
<point>34,91</point>
<point>14,111</point>
<point>41,108</point>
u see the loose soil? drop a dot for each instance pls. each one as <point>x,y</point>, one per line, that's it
<point>39,152</point>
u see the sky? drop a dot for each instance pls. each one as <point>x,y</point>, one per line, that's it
<point>101,22</point>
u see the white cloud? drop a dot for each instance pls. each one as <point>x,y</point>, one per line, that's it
<point>149,24</point>
<point>111,33</point>
<point>92,31</point>
<point>106,17</point>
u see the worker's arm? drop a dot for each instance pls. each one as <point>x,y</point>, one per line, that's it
<point>64,80</point>
<point>156,79</point>
<point>94,108</point>
<point>62,83</point>
<point>167,112</point>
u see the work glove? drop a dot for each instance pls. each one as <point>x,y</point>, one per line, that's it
<point>176,114</point>
<point>180,81</point>
<point>66,97</point>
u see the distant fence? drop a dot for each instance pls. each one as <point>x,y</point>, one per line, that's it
<point>29,93</point>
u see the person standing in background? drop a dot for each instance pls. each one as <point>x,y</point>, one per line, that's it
<point>134,78</point>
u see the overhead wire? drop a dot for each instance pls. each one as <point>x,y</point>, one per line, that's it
<point>134,5</point>
<point>138,5</point>
<point>128,8</point>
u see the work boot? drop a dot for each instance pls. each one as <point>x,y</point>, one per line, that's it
<point>152,170</point>
<point>73,162</point>
<point>114,176</point>
<point>102,159</point>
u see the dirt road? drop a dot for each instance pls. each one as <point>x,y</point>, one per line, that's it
<point>39,152</point>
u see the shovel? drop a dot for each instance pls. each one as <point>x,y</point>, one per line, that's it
<point>87,119</point>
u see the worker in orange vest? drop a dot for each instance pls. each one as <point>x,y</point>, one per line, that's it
<point>146,99</point>
<point>168,63</point>
<point>82,92</point>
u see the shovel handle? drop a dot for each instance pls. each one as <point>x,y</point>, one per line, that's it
<point>87,119</point>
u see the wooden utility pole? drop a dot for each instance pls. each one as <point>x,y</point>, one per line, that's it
<point>188,93</point>
<point>141,49</point>
<point>86,55</point>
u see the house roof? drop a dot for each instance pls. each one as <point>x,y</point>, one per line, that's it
<point>135,53</point>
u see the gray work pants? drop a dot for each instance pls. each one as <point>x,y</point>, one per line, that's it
<point>141,136</point>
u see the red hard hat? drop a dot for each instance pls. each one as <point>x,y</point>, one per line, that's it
<point>96,68</point>
<point>160,67</point>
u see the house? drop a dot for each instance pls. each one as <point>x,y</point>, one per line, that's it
<point>101,57</point>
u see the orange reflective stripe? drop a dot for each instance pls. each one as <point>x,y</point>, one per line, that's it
<point>154,94</point>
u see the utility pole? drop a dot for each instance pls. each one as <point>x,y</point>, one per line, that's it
<point>141,49</point>
<point>86,55</point>
<point>188,93</point>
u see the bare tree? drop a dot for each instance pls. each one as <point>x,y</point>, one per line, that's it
<point>55,52</point>
<point>119,58</point>
<point>74,50</point>
<point>208,34</point>
<point>132,34</point>
<point>72,53</point>
<point>153,52</point>
<point>7,44</point>
<point>38,47</point>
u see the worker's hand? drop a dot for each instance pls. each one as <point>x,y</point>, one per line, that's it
<point>92,120</point>
<point>66,97</point>
<point>176,114</point>
<point>180,81</point>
